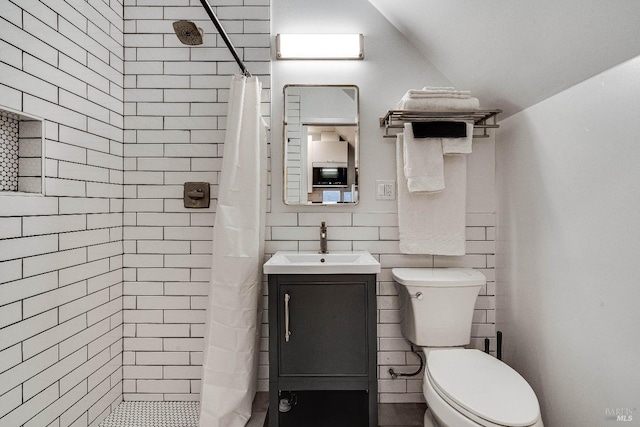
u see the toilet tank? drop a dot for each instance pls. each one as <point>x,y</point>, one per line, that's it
<point>436,304</point>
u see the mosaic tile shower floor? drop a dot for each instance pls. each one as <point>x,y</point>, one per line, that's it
<point>154,414</point>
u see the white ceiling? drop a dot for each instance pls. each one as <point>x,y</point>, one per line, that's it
<point>512,54</point>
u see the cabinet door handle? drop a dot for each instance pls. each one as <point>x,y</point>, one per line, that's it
<point>287,332</point>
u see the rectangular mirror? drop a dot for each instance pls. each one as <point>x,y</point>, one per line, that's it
<point>321,144</point>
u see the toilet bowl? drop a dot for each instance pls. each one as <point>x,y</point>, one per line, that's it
<point>469,388</point>
<point>462,387</point>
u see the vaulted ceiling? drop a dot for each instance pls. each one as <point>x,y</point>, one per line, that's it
<point>515,53</point>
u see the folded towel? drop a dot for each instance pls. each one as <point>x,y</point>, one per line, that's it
<point>436,95</point>
<point>439,129</point>
<point>438,99</point>
<point>438,88</point>
<point>439,104</point>
<point>459,145</point>
<point>423,162</point>
<point>413,93</point>
<point>433,223</point>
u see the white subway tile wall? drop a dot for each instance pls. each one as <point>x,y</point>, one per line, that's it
<point>61,254</point>
<point>175,118</point>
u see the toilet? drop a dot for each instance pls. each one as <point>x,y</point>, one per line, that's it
<point>462,387</point>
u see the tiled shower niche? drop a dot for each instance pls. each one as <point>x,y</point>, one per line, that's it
<point>21,153</point>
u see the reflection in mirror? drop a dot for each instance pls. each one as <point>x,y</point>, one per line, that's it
<point>321,143</point>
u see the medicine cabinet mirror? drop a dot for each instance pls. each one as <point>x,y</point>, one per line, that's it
<point>321,144</point>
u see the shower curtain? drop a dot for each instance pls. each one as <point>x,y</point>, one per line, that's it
<point>232,330</point>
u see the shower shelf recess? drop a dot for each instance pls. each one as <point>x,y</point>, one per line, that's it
<point>393,122</point>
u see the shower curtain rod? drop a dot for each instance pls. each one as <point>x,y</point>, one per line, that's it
<point>224,36</point>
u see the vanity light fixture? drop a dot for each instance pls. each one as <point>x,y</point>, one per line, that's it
<point>319,46</point>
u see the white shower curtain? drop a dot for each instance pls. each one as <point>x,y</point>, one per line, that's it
<point>232,330</point>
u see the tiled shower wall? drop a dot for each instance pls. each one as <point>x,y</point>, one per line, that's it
<point>175,104</point>
<point>61,254</point>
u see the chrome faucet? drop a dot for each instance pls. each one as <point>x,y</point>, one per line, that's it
<point>323,238</point>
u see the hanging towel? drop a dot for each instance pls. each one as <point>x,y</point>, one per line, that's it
<point>439,129</point>
<point>459,145</point>
<point>433,223</point>
<point>423,162</point>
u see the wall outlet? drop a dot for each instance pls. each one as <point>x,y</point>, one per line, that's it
<point>385,190</point>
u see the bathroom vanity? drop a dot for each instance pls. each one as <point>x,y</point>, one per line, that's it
<point>322,342</point>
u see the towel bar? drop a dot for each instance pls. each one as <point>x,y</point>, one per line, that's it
<point>395,119</point>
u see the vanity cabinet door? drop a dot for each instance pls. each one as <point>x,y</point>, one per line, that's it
<point>328,329</point>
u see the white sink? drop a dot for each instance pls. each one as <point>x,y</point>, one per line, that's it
<point>356,262</point>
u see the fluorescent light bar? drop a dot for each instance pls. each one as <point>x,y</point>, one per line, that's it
<point>319,46</point>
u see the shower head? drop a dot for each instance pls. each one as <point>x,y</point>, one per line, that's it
<point>188,33</point>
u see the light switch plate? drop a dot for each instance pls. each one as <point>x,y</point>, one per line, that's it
<point>385,190</point>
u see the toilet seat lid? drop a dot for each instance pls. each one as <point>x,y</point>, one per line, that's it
<point>484,386</point>
<point>438,277</point>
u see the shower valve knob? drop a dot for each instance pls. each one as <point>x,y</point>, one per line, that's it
<point>196,194</point>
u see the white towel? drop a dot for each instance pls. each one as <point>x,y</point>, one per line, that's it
<point>436,95</point>
<point>423,162</point>
<point>433,223</point>
<point>439,103</point>
<point>430,93</point>
<point>438,98</point>
<point>438,88</point>
<point>458,145</point>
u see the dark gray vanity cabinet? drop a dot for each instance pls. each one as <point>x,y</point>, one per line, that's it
<point>322,350</point>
